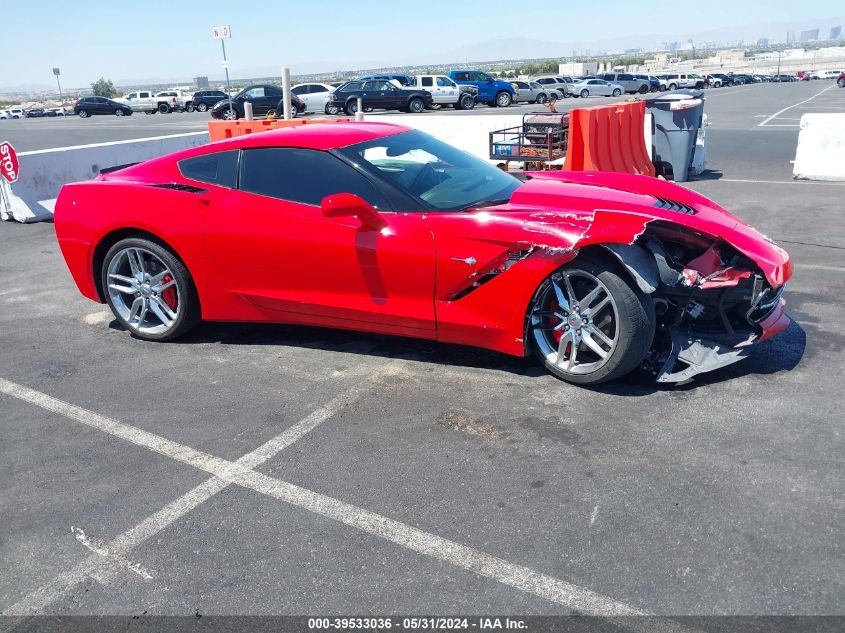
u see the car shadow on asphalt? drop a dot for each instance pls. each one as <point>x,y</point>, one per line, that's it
<point>707,174</point>
<point>782,353</point>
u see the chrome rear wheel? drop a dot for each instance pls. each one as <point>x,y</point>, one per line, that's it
<point>149,290</point>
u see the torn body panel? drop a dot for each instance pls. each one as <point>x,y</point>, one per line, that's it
<point>709,294</point>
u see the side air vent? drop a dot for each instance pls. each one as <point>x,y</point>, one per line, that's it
<point>180,187</point>
<point>671,205</point>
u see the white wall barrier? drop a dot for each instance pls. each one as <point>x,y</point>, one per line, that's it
<point>467,132</point>
<point>42,173</point>
<point>821,148</point>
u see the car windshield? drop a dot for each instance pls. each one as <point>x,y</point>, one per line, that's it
<point>433,172</point>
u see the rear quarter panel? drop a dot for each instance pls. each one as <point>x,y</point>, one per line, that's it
<point>89,212</point>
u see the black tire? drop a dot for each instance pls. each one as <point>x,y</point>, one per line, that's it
<point>673,86</point>
<point>189,314</point>
<point>416,105</point>
<point>201,107</point>
<point>189,107</point>
<point>584,93</point>
<point>643,90</point>
<point>635,324</point>
<point>503,99</point>
<point>119,112</point>
<point>163,108</point>
<point>617,93</point>
<point>541,99</point>
<point>83,114</point>
<point>466,102</point>
<point>351,107</point>
<point>841,82</point>
<point>331,110</point>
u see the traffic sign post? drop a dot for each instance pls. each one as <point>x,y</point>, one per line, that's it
<point>223,33</point>
<point>9,167</point>
<point>58,72</point>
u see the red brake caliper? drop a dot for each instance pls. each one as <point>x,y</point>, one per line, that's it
<point>169,295</point>
<point>554,306</point>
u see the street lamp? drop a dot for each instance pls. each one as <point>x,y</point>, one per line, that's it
<point>223,33</point>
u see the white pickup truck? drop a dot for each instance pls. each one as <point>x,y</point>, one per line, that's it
<point>444,91</point>
<point>150,102</point>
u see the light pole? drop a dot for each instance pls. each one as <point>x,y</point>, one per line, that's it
<point>58,72</point>
<point>223,33</point>
<point>778,73</point>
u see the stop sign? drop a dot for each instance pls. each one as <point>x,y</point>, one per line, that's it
<point>8,162</point>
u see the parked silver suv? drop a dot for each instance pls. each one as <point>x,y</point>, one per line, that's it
<point>628,82</point>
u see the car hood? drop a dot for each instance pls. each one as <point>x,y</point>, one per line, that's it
<point>603,206</point>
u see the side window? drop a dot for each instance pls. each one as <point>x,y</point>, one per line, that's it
<point>445,82</point>
<point>370,85</point>
<point>428,82</point>
<point>299,90</point>
<point>219,169</point>
<point>305,176</point>
<point>625,78</point>
<point>272,91</point>
<point>254,93</point>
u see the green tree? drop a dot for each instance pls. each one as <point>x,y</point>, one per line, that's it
<point>104,88</point>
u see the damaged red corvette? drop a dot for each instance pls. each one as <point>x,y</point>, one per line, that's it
<point>379,228</point>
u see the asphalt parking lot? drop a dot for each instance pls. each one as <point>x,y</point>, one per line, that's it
<point>283,470</point>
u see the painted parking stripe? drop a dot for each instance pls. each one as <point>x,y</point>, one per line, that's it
<point>569,595</point>
<point>794,105</point>
<point>36,601</point>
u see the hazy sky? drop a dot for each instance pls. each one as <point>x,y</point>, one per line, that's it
<point>152,38</point>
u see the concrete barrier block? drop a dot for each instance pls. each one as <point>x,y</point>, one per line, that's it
<point>43,173</point>
<point>467,132</point>
<point>821,148</point>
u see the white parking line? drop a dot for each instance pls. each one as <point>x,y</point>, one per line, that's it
<point>523,578</point>
<point>37,600</point>
<point>794,105</point>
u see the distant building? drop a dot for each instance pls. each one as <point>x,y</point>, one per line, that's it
<point>763,42</point>
<point>810,35</point>
<point>201,82</point>
<point>577,68</point>
<point>835,33</point>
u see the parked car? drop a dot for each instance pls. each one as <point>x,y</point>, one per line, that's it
<point>840,81</point>
<point>378,94</point>
<point>830,74</point>
<point>596,88</point>
<point>149,102</point>
<point>50,112</point>
<point>715,80</point>
<point>742,79</point>
<point>534,92</point>
<point>444,91</point>
<point>491,91</point>
<point>301,226</point>
<point>653,82</point>
<point>402,81</point>
<point>684,80</point>
<point>16,113</point>
<point>560,83</point>
<point>205,99</point>
<point>5,114</point>
<point>265,98</point>
<point>89,106</point>
<point>315,96</point>
<point>35,113</point>
<point>784,78</point>
<point>175,101</point>
<point>628,82</point>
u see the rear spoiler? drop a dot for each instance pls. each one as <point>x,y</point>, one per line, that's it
<point>109,170</point>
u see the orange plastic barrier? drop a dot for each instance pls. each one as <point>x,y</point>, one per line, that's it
<point>221,130</point>
<point>608,138</point>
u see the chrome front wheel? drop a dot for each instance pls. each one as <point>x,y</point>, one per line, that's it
<point>149,290</point>
<point>588,325</point>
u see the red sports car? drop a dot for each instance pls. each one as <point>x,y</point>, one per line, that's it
<point>380,228</point>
